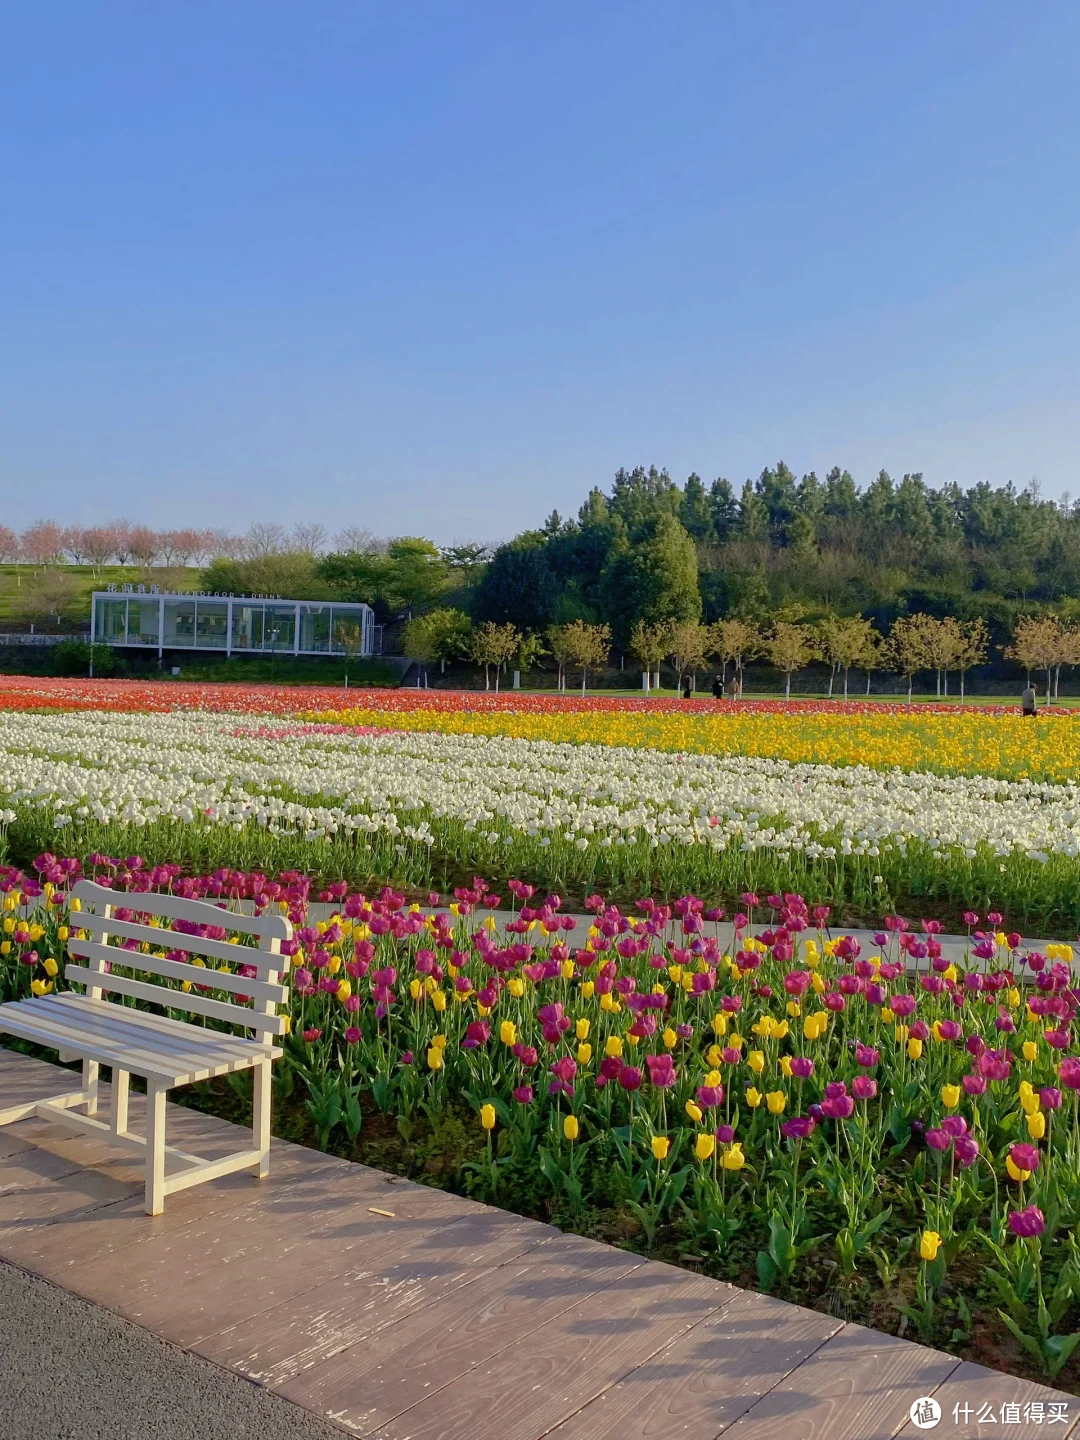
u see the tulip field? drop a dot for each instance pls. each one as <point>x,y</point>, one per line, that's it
<point>650,1022</point>
<point>878,1130</point>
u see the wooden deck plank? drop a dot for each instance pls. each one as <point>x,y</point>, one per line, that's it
<point>54,1249</point>
<point>976,1386</point>
<point>370,1384</point>
<point>858,1386</point>
<point>218,1271</point>
<point>278,1344</point>
<point>706,1379</point>
<point>537,1382</point>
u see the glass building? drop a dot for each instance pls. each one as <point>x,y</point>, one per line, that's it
<point>230,624</point>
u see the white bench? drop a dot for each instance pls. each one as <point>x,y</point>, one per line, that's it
<point>165,1051</point>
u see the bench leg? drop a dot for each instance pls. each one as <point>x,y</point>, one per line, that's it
<point>90,1070</point>
<point>155,1148</point>
<point>119,1115</point>
<point>260,1125</point>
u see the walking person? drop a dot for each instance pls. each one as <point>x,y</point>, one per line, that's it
<point>1027,699</point>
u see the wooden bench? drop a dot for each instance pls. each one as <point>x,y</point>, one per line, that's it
<point>149,1042</point>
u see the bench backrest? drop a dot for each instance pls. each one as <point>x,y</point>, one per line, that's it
<point>96,918</point>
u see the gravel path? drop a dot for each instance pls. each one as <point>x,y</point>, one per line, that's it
<point>70,1371</point>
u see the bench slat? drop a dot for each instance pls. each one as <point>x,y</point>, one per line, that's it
<point>272,927</point>
<point>177,1000</point>
<point>263,990</point>
<point>177,940</point>
<point>50,1025</point>
<point>179,1039</point>
<point>51,1031</point>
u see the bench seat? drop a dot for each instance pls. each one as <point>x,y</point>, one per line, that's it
<point>156,1047</point>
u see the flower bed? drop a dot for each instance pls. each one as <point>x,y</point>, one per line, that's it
<point>878,1131</point>
<point>422,809</point>
<point>935,739</point>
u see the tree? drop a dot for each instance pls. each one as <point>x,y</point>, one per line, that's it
<point>9,546</point>
<point>43,542</point>
<point>350,636</point>
<point>906,648</point>
<point>971,649</point>
<point>585,647</point>
<point>562,652</point>
<point>734,640</point>
<point>465,559</point>
<point>1039,643</point>
<point>144,544</point>
<point>790,647</point>
<point>219,544</point>
<point>650,644</point>
<point>74,543</point>
<point>50,594</point>
<point>357,540</point>
<point>529,650</point>
<point>308,539</point>
<point>99,545</point>
<point>418,642</point>
<point>943,642</point>
<point>518,584</point>
<point>263,538</point>
<point>656,579</point>
<point>844,642</point>
<point>439,635</point>
<point>690,641</point>
<point>492,644</point>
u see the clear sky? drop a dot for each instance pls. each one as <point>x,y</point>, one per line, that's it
<point>438,266</point>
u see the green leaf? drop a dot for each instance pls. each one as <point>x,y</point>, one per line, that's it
<point>767,1270</point>
<point>1029,1342</point>
<point>1057,1350</point>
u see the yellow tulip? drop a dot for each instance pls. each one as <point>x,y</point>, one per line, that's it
<point>439,1040</point>
<point>344,990</point>
<point>950,1096</point>
<point>734,1159</point>
<point>1030,1049</point>
<point>720,1023</point>
<point>660,1146</point>
<point>1036,1124</point>
<point>671,1039</point>
<point>704,1146</point>
<point>776,1100</point>
<point>693,1110</point>
<point>1015,1173</point>
<point>435,1057</point>
<point>487,1117</point>
<point>584,1053</point>
<point>713,1077</point>
<point>756,1061</point>
<point>753,1097</point>
<point>785,1066</point>
<point>613,1045</point>
<point>929,1245</point>
<point>508,1032</point>
<point>581,1029</point>
<point>1029,1103</point>
<point>914,1049</point>
<point>438,999</point>
<point>516,986</point>
<point>51,968</point>
<point>415,989</point>
<point>63,932</point>
<point>570,1127</point>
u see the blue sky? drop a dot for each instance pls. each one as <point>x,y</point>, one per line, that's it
<point>439,267</point>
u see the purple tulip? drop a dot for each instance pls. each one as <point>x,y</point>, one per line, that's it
<point>965,1150</point>
<point>954,1125</point>
<point>630,1077</point>
<point>867,1056</point>
<point>838,1107</point>
<point>938,1139</point>
<point>1024,1156</point>
<point>523,1094</point>
<point>725,1134</point>
<point>802,1067</point>
<point>1027,1223</point>
<point>799,1127</point>
<point>1050,1098</point>
<point>863,1088</point>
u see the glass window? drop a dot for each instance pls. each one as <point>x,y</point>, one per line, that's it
<point>279,628</point>
<point>347,630</point>
<point>247,626</point>
<point>179,623</point>
<point>142,622</point>
<point>112,621</point>
<point>315,628</point>
<point>212,624</point>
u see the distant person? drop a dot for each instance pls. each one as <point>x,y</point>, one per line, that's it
<point>733,688</point>
<point>1027,700</point>
<point>718,688</point>
<point>687,694</point>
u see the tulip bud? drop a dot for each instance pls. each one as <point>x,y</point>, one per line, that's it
<point>753,1097</point>
<point>487,1117</point>
<point>660,1146</point>
<point>929,1244</point>
<point>704,1146</point>
<point>570,1127</point>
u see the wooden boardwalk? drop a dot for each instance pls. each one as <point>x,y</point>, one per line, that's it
<point>403,1313</point>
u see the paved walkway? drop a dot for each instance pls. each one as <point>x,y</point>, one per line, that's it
<point>398,1312</point>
